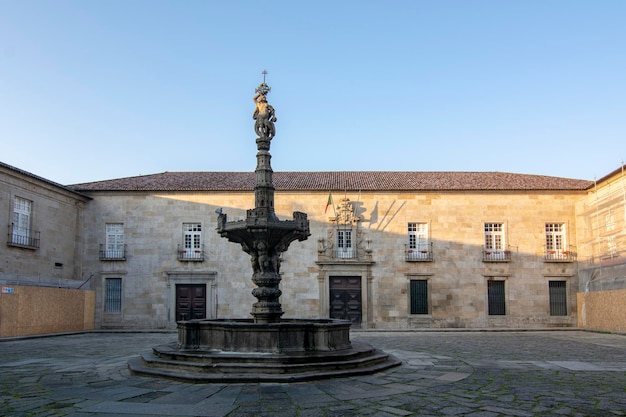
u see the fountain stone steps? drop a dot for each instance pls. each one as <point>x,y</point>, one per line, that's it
<point>250,367</point>
<point>212,356</point>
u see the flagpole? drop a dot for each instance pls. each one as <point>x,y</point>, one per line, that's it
<point>329,201</point>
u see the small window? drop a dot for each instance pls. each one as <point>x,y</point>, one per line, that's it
<point>114,243</point>
<point>556,244</point>
<point>344,243</point>
<point>495,244</point>
<point>418,236</point>
<point>555,237</point>
<point>192,243</point>
<point>418,290</point>
<point>418,247</point>
<point>609,221</point>
<point>558,298</point>
<point>113,295</point>
<point>496,298</point>
<point>22,209</point>
<point>494,237</point>
<point>21,233</point>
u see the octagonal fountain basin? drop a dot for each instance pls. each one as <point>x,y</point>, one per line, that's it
<point>239,350</point>
<point>243,335</point>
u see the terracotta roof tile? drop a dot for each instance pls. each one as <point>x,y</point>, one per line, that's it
<point>338,181</point>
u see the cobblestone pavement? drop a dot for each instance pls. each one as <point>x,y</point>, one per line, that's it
<point>478,374</point>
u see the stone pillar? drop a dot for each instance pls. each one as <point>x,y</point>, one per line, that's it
<point>268,309</point>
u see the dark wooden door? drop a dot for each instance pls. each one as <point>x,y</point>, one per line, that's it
<point>345,299</point>
<point>190,301</point>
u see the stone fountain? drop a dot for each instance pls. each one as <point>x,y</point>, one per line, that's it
<point>265,347</point>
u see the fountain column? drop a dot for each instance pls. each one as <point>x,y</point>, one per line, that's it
<point>262,235</point>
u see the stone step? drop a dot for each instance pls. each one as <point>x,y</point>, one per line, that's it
<point>151,365</point>
<point>170,352</point>
<point>275,365</point>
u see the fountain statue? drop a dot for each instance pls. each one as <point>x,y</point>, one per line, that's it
<point>266,347</point>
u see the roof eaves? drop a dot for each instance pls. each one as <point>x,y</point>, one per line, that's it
<point>42,179</point>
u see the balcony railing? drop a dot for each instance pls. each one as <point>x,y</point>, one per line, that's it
<point>327,253</point>
<point>118,254</point>
<point>561,255</point>
<point>345,253</point>
<point>190,254</point>
<point>421,253</point>
<point>24,238</point>
<point>496,255</point>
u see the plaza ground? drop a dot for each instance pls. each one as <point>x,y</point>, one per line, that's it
<point>444,373</point>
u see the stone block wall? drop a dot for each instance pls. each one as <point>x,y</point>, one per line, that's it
<point>457,276</point>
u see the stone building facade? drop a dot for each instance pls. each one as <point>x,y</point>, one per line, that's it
<point>41,259</point>
<point>388,250</point>
<point>393,250</point>
<point>44,224</point>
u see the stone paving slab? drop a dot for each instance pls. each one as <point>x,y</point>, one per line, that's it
<point>478,374</point>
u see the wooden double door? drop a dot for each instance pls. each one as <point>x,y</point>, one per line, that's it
<point>345,299</point>
<point>190,301</point>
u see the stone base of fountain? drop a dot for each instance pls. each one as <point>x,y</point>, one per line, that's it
<point>292,350</point>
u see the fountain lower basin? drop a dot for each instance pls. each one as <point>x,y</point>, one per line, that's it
<point>244,335</point>
<point>239,350</point>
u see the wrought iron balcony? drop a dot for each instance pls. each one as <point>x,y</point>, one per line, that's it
<point>496,255</point>
<point>190,254</point>
<point>560,255</point>
<point>118,254</point>
<point>420,253</point>
<point>23,238</point>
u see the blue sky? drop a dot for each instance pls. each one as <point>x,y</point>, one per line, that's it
<point>93,90</point>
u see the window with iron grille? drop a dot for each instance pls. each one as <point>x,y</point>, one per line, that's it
<point>113,295</point>
<point>114,246</point>
<point>496,298</point>
<point>558,298</point>
<point>418,296</point>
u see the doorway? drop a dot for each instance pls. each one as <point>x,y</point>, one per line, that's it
<point>345,299</point>
<point>190,301</point>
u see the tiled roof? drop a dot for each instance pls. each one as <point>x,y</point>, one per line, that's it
<point>338,181</point>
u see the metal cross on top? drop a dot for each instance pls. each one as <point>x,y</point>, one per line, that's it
<point>263,88</point>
